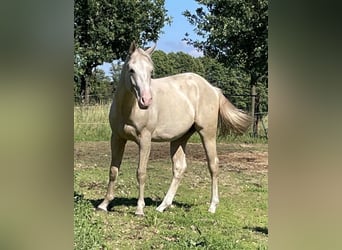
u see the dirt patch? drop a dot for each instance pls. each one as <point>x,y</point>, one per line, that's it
<point>233,157</point>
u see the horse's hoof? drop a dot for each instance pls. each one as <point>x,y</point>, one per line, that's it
<point>160,209</point>
<point>100,209</point>
<point>139,214</point>
<point>212,210</point>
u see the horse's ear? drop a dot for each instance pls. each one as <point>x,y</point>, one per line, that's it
<point>150,50</point>
<point>132,48</point>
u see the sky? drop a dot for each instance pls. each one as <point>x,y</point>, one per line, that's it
<point>171,38</point>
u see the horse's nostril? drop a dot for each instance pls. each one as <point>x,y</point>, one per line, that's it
<point>146,100</point>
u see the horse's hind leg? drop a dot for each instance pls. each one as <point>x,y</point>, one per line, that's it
<point>178,168</point>
<point>209,143</point>
<point>177,151</point>
<point>117,148</point>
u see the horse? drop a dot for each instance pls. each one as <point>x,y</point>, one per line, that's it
<point>172,108</point>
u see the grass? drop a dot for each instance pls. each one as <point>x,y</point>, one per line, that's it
<point>245,138</point>
<point>239,223</point>
<point>87,228</point>
<point>91,124</point>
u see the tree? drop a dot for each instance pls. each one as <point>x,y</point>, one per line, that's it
<point>100,88</point>
<point>233,83</point>
<point>103,30</point>
<point>234,32</point>
<point>183,63</point>
<point>163,66</point>
<point>115,71</point>
<point>175,63</point>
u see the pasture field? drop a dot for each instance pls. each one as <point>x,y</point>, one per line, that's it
<point>240,221</point>
<point>91,123</point>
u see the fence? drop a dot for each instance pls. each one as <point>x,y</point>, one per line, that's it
<point>261,117</point>
<point>93,99</point>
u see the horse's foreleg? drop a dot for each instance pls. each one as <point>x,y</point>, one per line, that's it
<point>179,166</point>
<point>117,148</point>
<point>144,153</point>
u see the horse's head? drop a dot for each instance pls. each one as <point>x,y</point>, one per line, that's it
<point>139,67</point>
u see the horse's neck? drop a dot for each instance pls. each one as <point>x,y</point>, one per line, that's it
<point>122,95</point>
<point>125,99</point>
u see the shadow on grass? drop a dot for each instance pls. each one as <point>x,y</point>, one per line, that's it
<point>128,202</point>
<point>132,202</point>
<point>263,230</point>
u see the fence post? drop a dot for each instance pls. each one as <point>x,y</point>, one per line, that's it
<point>253,94</point>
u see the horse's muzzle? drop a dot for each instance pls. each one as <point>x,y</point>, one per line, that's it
<point>145,100</point>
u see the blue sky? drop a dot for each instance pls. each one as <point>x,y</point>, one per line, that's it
<point>171,38</point>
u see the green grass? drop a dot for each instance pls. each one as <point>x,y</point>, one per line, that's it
<point>87,227</point>
<point>91,124</point>
<point>245,138</point>
<point>239,223</point>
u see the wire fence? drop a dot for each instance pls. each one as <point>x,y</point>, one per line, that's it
<point>262,119</point>
<point>98,99</point>
<point>95,99</point>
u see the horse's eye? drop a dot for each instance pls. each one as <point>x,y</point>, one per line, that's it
<point>131,71</point>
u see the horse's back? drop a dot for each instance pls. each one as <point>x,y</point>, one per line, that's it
<point>190,84</point>
<point>203,96</point>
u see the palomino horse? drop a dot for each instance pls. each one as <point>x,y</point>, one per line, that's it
<point>166,109</point>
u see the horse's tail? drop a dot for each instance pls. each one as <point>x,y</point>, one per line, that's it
<point>232,118</point>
